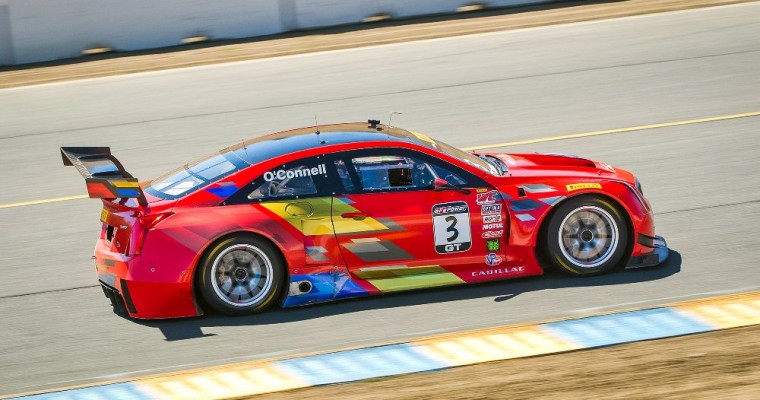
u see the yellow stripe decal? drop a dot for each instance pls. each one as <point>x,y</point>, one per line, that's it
<point>125,184</point>
<point>393,271</point>
<point>312,216</point>
<point>420,281</point>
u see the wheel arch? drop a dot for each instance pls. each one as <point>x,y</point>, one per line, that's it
<point>212,244</point>
<point>540,236</point>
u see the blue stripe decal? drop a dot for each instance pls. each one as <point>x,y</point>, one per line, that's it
<point>524,205</point>
<point>125,192</point>
<point>605,330</point>
<point>326,286</point>
<point>359,364</point>
<point>118,391</point>
<point>223,191</point>
<point>552,200</point>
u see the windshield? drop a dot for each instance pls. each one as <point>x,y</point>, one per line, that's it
<point>459,154</point>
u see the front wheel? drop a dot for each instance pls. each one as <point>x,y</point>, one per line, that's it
<point>241,275</point>
<point>586,236</point>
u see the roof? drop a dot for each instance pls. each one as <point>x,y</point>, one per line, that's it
<point>263,148</point>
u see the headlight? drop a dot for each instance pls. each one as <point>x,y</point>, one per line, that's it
<point>638,187</point>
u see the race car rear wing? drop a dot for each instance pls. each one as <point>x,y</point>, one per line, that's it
<point>104,175</point>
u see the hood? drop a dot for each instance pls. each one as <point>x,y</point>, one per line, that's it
<point>559,165</point>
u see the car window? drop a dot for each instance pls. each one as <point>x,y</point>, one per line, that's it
<point>193,176</point>
<point>391,172</point>
<point>457,153</point>
<point>287,182</point>
<point>344,175</point>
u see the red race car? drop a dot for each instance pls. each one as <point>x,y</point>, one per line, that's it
<point>332,212</point>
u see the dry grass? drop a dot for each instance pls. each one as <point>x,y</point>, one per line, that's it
<point>716,365</point>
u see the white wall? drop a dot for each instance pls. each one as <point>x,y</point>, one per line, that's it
<point>54,29</point>
<point>322,13</point>
<point>44,30</point>
<point>6,43</point>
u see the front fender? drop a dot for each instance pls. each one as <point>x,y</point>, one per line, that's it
<point>531,204</point>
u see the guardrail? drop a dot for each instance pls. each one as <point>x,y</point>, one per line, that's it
<point>45,30</point>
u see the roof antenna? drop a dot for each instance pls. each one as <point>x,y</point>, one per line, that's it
<point>390,117</point>
<point>316,123</point>
<point>245,149</point>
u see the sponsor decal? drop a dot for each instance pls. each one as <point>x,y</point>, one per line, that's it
<point>451,227</point>
<point>493,244</point>
<point>489,197</point>
<point>578,186</point>
<point>450,208</point>
<point>481,190</point>
<point>298,173</point>
<point>490,209</point>
<point>492,234</point>
<point>489,219</point>
<point>499,271</point>
<point>487,227</point>
<point>493,259</point>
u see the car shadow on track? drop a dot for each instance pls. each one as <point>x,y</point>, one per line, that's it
<point>500,291</point>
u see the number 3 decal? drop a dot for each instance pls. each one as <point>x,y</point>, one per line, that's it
<point>451,227</point>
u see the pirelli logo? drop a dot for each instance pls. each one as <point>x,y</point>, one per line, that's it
<point>579,186</point>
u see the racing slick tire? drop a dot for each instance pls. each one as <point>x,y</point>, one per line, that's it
<point>241,275</point>
<point>587,235</point>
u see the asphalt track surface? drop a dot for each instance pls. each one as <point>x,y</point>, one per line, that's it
<point>703,179</point>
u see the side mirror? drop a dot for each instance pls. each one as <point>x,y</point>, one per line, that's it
<point>440,185</point>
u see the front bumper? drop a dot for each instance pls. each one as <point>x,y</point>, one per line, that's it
<point>653,258</point>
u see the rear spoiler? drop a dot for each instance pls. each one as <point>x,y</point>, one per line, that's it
<point>104,175</point>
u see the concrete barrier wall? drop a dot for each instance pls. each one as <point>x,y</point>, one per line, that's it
<point>44,30</point>
<point>322,13</point>
<point>53,29</point>
<point>6,43</point>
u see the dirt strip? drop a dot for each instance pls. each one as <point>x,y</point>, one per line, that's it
<point>715,365</point>
<point>339,38</point>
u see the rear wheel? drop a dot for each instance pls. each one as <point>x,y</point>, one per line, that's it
<point>586,236</point>
<point>241,275</point>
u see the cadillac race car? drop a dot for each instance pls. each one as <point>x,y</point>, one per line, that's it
<point>346,210</point>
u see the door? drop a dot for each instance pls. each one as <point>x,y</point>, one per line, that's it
<point>397,232</point>
<point>299,193</point>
